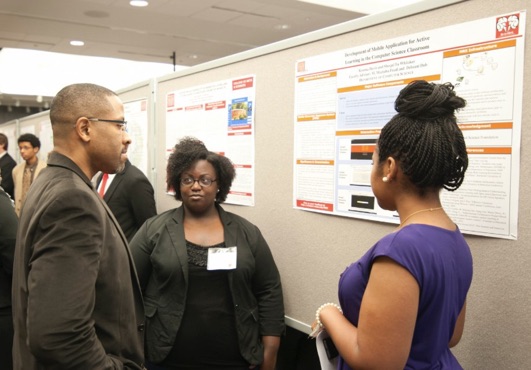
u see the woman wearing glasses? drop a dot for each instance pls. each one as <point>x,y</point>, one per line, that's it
<point>212,291</point>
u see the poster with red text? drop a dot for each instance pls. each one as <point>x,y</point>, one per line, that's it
<point>221,114</point>
<point>344,98</point>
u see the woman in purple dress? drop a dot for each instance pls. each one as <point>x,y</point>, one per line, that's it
<point>403,303</point>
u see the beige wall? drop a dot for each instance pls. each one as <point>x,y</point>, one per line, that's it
<point>313,249</point>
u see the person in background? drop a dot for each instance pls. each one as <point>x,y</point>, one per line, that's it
<point>7,163</point>
<point>404,301</point>
<point>130,196</point>
<point>213,296</point>
<point>77,303</point>
<point>26,172</point>
<point>8,233</point>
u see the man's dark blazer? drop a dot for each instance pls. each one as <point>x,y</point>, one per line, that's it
<point>77,302</point>
<point>7,163</point>
<point>130,197</point>
<point>8,235</point>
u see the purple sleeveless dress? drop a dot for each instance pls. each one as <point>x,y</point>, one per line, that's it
<point>441,262</point>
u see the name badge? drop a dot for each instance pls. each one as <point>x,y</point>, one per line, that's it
<point>221,258</point>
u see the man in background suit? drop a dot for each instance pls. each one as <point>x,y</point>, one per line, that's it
<point>8,233</point>
<point>130,196</point>
<point>77,302</point>
<point>7,163</point>
<point>26,172</point>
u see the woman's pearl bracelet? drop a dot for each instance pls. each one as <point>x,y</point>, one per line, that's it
<point>318,313</point>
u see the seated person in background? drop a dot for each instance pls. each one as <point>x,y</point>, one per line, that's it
<point>25,173</point>
<point>130,197</point>
<point>404,301</point>
<point>212,291</point>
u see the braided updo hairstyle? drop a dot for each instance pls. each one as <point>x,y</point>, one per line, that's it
<point>424,137</point>
<point>190,150</point>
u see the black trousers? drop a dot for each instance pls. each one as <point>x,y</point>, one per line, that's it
<point>150,366</point>
<point>6,338</point>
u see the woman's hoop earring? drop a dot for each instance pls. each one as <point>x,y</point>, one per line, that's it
<point>385,179</point>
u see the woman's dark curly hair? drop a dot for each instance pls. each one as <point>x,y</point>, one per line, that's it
<point>424,137</point>
<point>190,150</point>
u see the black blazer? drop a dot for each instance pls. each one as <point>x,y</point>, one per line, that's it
<point>130,198</point>
<point>77,302</point>
<point>7,163</point>
<point>8,235</point>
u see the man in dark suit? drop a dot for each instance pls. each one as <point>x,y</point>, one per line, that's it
<point>7,163</point>
<point>76,297</point>
<point>130,197</point>
<point>8,232</point>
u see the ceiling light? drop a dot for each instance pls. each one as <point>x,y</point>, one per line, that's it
<point>77,43</point>
<point>139,3</point>
<point>282,26</point>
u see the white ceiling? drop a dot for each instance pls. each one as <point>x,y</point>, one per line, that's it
<point>196,30</point>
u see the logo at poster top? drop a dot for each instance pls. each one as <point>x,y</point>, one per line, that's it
<point>507,25</point>
<point>170,100</point>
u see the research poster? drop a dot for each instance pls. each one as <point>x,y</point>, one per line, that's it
<point>136,115</point>
<point>221,114</point>
<point>344,98</point>
<point>46,138</point>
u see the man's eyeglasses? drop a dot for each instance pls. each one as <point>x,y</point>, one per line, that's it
<point>204,182</point>
<point>122,124</point>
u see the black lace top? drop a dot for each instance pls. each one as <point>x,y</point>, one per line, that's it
<point>198,255</point>
<point>207,336</point>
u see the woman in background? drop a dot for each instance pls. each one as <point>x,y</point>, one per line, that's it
<point>212,291</point>
<point>403,303</point>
